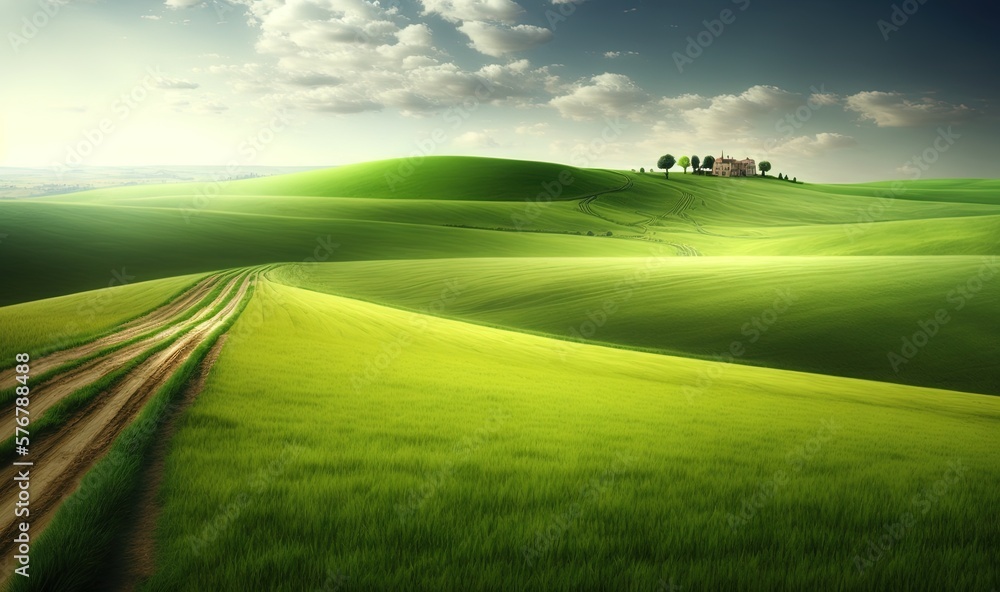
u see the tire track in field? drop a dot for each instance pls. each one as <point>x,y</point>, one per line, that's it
<point>62,458</point>
<point>678,209</point>
<point>154,319</point>
<point>50,392</point>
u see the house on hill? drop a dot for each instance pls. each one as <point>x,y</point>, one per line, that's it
<point>730,167</point>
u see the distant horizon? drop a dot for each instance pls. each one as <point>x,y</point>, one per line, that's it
<point>291,169</point>
<point>586,83</point>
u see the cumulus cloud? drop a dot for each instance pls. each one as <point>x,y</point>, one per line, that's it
<point>611,55</point>
<point>481,139</point>
<point>346,56</point>
<point>734,114</point>
<point>500,40</point>
<point>891,109</point>
<point>684,102</point>
<point>605,95</point>
<point>175,84</point>
<point>505,11</point>
<point>536,129</point>
<point>815,145</point>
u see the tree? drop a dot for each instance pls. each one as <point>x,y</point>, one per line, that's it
<point>642,169</point>
<point>684,162</point>
<point>695,164</point>
<point>709,163</point>
<point>780,178</point>
<point>666,163</point>
<point>764,166</point>
<point>795,179</point>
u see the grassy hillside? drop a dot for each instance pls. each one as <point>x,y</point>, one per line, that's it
<point>64,244</point>
<point>43,325</point>
<point>440,178</point>
<point>840,316</point>
<point>407,451</point>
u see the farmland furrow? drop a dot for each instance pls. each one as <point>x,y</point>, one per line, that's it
<point>62,458</point>
<point>50,392</point>
<point>157,318</point>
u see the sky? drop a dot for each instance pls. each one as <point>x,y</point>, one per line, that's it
<point>827,91</point>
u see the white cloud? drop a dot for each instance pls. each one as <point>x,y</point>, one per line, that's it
<point>481,139</point>
<point>529,129</point>
<point>815,145</point>
<point>739,114</point>
<point>611,55</point>
<point>151,17</point>
<point>891,109</point>
<point>684,102</point>
<point>500,40</point>
<point>505,11</point>
<point>605,95</point>
<point>823,99</point>
<point>175,83</point>
<point>182,3</point>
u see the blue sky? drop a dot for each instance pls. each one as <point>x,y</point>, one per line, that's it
<point>827,91</point>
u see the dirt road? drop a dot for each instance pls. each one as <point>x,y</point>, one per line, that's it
<point>63,457</point>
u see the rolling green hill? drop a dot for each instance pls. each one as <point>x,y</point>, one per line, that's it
<point>401,442</point>
<point>63,244</point>
<point>621,382</point>
<point>831,315</point>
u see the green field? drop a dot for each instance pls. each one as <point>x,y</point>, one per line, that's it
<point>468,374</point>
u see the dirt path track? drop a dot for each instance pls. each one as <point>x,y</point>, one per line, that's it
<point>156,318</point>
<point>50,392</point>
<point>62,458</point>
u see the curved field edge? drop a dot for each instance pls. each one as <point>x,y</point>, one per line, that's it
<point>401,440</point>
<point>41,327</point>
<point>843,316</point>
<point>73,553</point>
<point>439,178</point>
<point>59,413</point>
<point>8,395</point>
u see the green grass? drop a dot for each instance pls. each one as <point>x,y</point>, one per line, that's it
<point>841,315</point>
<point>168,230</point>
<point>40,327</point>
<point>438,178</point>
<point>73,552</point>
<point>463,443</point>
<point>337,436</point>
